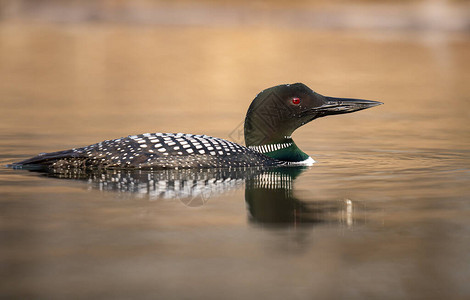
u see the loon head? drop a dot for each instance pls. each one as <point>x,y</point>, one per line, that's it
<point>277,111</point>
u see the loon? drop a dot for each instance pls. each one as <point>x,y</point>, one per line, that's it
<point>270,121</point>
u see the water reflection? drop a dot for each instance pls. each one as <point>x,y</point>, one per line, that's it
<point>269,192</point>
<point>271,199</point>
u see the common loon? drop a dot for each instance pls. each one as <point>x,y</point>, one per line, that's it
<point>270,121</point>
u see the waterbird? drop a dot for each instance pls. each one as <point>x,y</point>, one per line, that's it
<point>272,117</point>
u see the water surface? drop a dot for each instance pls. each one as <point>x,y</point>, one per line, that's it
<point>384,213</point>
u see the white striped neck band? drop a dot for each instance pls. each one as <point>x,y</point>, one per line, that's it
<point>270,147</point>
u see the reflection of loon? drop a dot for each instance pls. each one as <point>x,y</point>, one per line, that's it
<point>270,200</point>
<point>165,184</point>
<point>271,119</point>
<point>268,191</point>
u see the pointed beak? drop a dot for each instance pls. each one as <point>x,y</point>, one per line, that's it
<point>335,106</point>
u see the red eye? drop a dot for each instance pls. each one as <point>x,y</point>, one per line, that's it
<point>296,101</point>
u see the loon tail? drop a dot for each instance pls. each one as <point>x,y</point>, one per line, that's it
<point>44,159</point>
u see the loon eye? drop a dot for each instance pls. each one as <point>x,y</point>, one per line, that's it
<point>295,101</point>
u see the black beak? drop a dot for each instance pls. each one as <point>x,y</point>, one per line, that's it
<point>335,106</point>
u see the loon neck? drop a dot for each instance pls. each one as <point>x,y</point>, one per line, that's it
<point>284,150</point>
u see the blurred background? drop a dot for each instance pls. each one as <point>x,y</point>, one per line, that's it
<point>73,73</point>
<point>108,68</point>
<point>359,14</point>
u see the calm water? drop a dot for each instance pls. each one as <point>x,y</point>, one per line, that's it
<point>385,213</point>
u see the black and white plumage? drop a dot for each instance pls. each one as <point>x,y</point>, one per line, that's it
<point>271,118</point>
<point>156,151</point>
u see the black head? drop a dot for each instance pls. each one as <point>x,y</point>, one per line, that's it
<point>277,111</point>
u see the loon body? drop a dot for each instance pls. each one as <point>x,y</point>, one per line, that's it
<point>271,118</point>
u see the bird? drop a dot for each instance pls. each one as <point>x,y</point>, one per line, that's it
<point>274,114</point>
